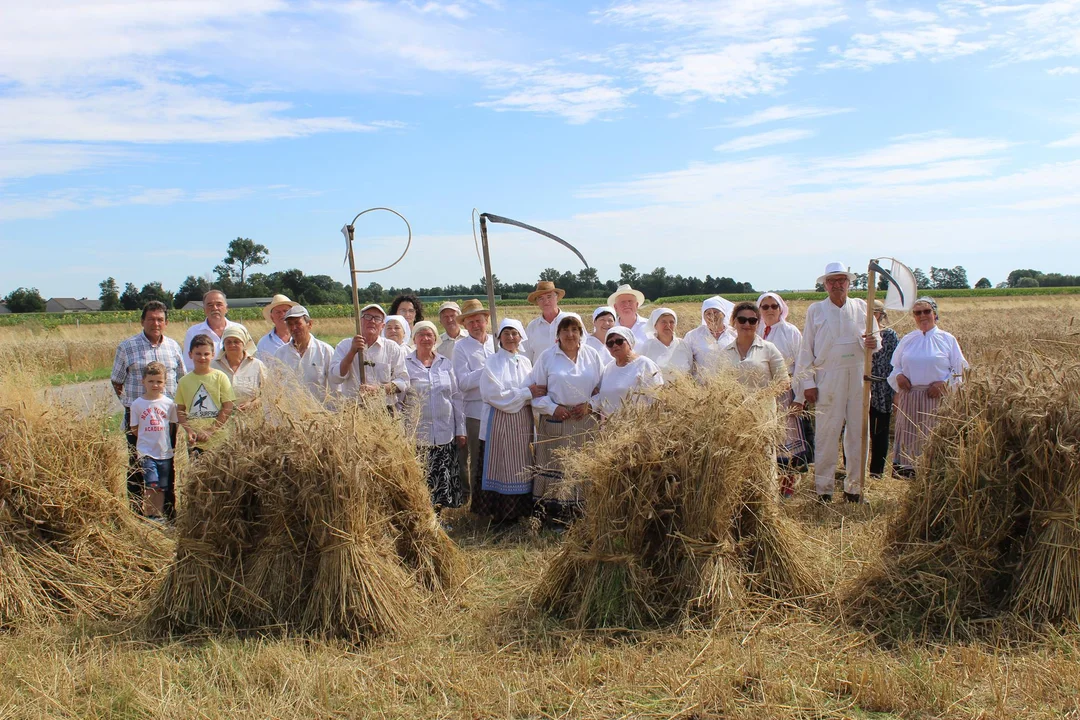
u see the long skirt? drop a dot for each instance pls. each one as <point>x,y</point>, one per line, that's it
<point>559,498</point>
<point>916,416</point>
<point>506,458</point>
<point>442,474</point>
<point>793,453</point>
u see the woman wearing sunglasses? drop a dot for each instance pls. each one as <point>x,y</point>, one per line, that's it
<point>628,377</point>
<point>757,361</point>
<point>796,452</point>
<point>926,362</point>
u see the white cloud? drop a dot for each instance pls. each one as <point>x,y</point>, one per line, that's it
<point>22,160</point>
<point>765,139</point>
<point>1064,70</point>
<point>920,150</point>
<point>1069,142</point>
<point>730,18</point>
<point>901,16</point>
<point>23,207</point>
<point>578,97</point>
<point>931,42</point>
<point>778,113</point>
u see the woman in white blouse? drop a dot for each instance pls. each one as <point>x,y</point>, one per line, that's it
<point>628,378</point>
<point>397,328</point>
<point>708,339</point>
<point>237,360</point>
<point>757,362</point>
<point>433,406</point>
<point>670,353</point>
<point>603,319</point>
<point>506,430</point>
<point>563,381</point>
<point>925,364</point>
<point>797,452</point>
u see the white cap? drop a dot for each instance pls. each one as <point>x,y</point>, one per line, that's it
<point>373,306</point>
<point>297,311</point>
<point>449,305</point>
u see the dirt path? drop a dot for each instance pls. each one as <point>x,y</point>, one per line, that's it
<point>88,398</point>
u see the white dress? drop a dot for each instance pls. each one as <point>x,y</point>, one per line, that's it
<point>504,386</point>
<point>600,348</point>
<point>705,349</point>
<point>569,383</point>
<point>627,383</point>
<point>926,358</point>
<point>674,359</point>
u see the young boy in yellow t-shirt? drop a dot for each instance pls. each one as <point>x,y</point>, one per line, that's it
<point>204,397</point>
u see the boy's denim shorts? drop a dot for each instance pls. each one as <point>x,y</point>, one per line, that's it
<point>156,472</point>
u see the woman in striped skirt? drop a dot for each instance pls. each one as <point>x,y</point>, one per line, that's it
<point>506,430</point>
<point>775,328</point>
<point>926,363</point>
<point>564,380</point>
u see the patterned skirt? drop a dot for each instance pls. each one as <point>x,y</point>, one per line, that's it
<point>549,488</point>
<point>793,453</point>
<point>916,416</point>
<point>442,474</point>
<point>506,484</point>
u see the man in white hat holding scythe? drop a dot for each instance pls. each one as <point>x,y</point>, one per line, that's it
<point>626,301</point>
<point>829,373</point>
<point>541,331</point>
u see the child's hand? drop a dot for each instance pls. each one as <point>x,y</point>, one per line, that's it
<point>191,437</point>
<point>202,436</point>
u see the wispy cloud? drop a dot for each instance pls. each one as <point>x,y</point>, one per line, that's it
<point>765,139</point>
<point>23,207</point>
<point>578,97</point>
<point>920,150</point>
<point>778,113</point>
<point>1064,70</point>
<point>1069,142</point>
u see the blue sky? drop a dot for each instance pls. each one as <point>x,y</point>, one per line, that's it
<point>757,139</point>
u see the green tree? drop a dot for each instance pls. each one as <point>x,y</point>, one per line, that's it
<point>193,288</point>
<point>129,299</point>
<point>921,281</point>
<point>244,253</point>
<point>110,294</point>
<point>1027,282</point>
<point>588,281</point>
<point>154,291</point>
<point>1016,275</point>
<point>983,284</point>
<point>628,274</point>
<point>24,300</point>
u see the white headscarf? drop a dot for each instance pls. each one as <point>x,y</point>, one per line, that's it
<point>654,317</point>
<point>562,316</point>
<point>603,309</point>
<point>511,323</point>
<point>779,301</point>
<point>717,303</point>
<point>404,324</point>
<point>623,332</point>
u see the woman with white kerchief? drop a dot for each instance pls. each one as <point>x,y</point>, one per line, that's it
<point>563,381</point>
<point>506,430</point>
<point>603,319</point>
<point>926,363</point>
<point>796,452</point>
<point>713,335</point>
<point>670,353</point>
<point>628,378</point>
<point>397,328</point>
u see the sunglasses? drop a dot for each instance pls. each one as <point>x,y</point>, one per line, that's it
<point>927,311</point>
<point>770,307</point>
<point>743,320</point>
<point>615,341</point>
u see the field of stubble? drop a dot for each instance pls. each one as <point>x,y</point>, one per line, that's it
<point>477,655</point>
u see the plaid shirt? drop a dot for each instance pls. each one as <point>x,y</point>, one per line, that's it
<point>132,357</point>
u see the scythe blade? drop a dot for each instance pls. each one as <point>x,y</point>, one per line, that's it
<point>545,233</point>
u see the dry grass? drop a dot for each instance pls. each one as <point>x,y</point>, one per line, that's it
<point>475,654</point>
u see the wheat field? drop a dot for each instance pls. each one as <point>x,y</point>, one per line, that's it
<point>479,654</point>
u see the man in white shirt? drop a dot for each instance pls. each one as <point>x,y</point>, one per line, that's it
<point>469,357</point>
<point>305,355</point>
<point>274,313</point>
<point>829,375</point>
<point>214,307</point>
<point>384,361</point>
<point>626,301</point>
<point>448,318</point>
<point>541,331</point>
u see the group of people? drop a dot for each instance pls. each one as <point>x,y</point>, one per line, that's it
<point>490,408</point>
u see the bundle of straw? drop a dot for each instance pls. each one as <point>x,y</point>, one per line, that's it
<point>681,519</point>
<point>991,525</point>
<point>313,521</point>
<point>68,542</point>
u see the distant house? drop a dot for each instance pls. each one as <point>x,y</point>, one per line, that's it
<point>4,308</point>
<point>233,303</point>
<point>69,305</point>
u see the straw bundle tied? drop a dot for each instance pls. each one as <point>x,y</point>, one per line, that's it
<point>991,525</point>
<point>681,520</point>
<point>68,542</point>
<point>313,521</point>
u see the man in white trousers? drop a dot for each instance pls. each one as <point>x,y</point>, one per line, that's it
<point>829,370</point>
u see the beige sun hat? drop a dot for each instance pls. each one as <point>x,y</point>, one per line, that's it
<point>626,290</point>
<point>276,301</point>
<point>545,286</point>
<point>472,307</point>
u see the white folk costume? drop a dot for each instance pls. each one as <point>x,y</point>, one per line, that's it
<point>831,360</point>
<point>673,359</point>
<point>469,358</point>
<point>569,383</point>
<point>506,433</point>
<point>629,383</point>
<point>788,339</point>
<point>639,325</point>
<point>923,358</point>
<point>384,362</point>
<point>433,403</point>
<point>406,342</point>
<point>541,334</point>
<point>704,346</point>
<point>596,343</point>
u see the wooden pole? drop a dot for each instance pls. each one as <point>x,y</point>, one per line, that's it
<point>868,363</point>
<point>487,273</point>
<point>355,299</point>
